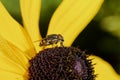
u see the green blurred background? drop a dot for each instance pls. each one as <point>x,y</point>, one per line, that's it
<point>101,37</point>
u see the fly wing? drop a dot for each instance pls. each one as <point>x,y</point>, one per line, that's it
<point>52,36</point>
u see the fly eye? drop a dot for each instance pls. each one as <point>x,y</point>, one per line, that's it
<point>40,44</point>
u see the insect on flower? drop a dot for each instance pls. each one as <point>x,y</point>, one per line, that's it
<point>52,39</point>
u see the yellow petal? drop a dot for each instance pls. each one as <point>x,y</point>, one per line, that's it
<point>30,10</point>
<point>104,70</point>
<point>72,16</point>
<point>13,31</point>
<point>4,75</point>
<point>13,62</point>
<point>13,53</point>
<point>9,65</point>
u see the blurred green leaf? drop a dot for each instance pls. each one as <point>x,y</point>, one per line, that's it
<point>109,8</point>
<point>112,25</point>
<point>47,10</point>
<point>13,8</point>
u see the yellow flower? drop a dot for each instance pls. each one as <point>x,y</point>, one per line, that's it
<point>18,43</point>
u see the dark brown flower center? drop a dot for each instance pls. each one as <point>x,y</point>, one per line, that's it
<point>61,63</point>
